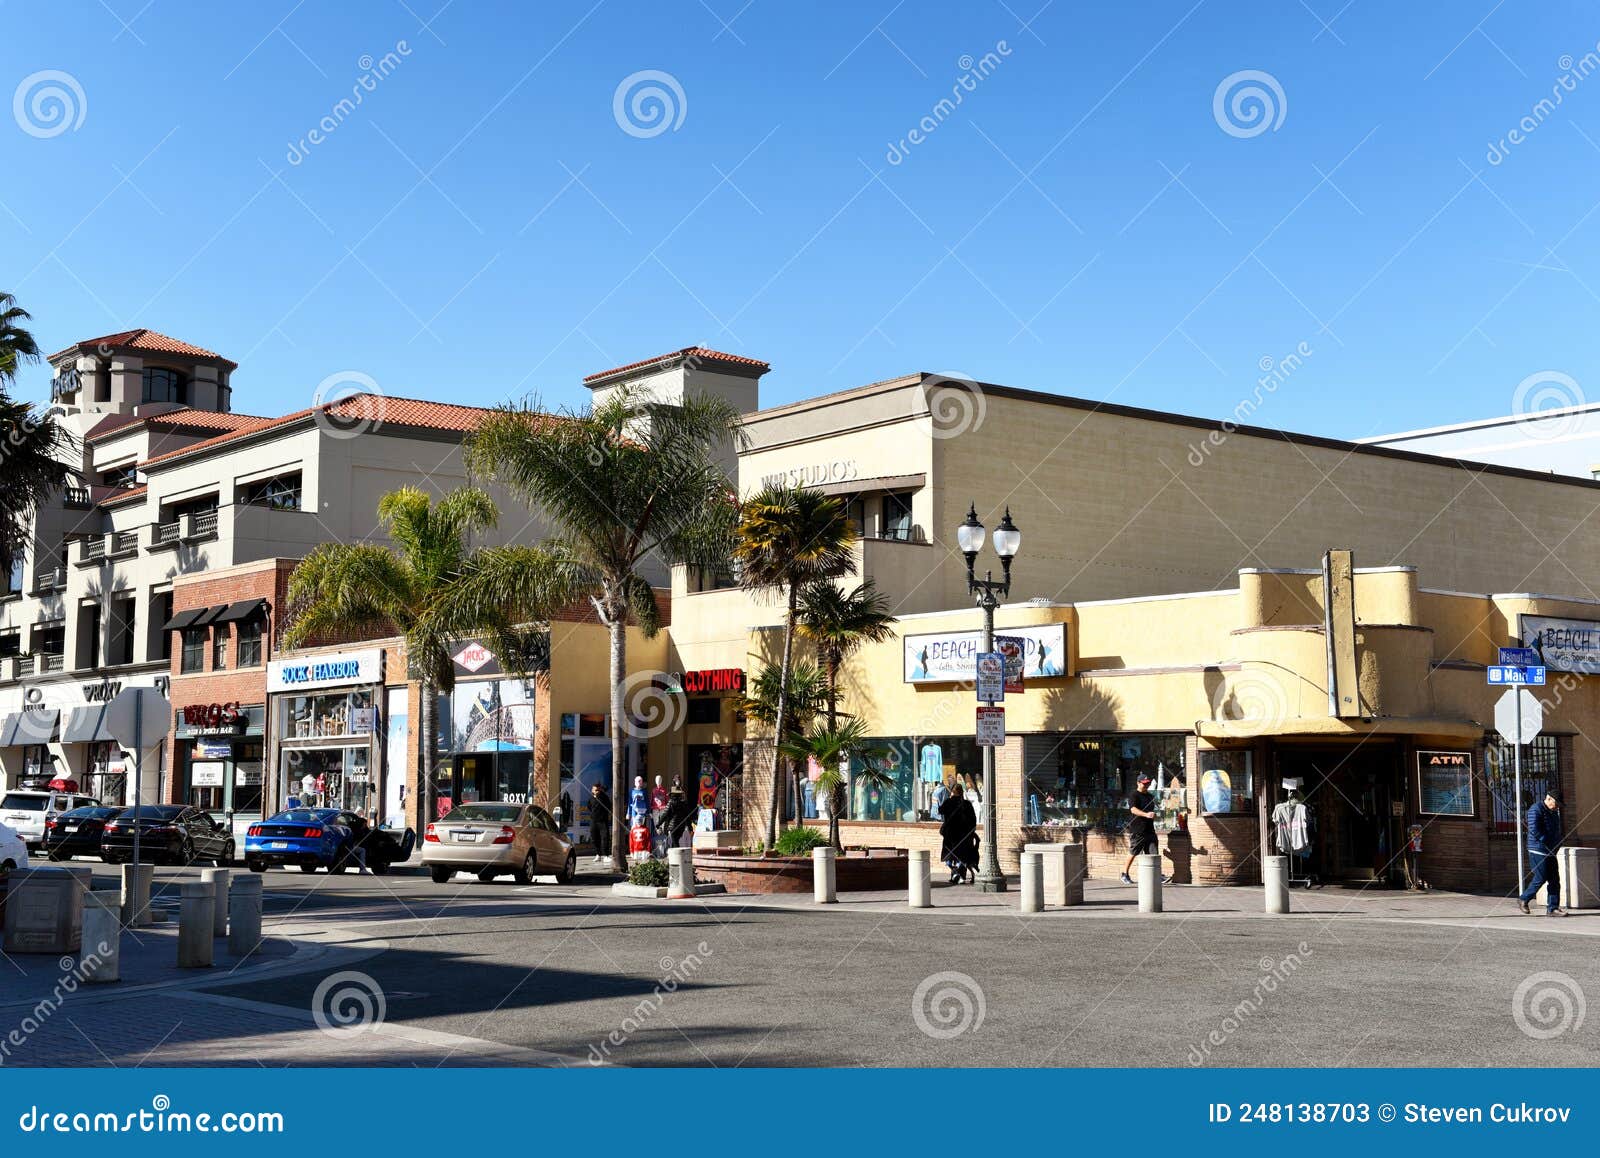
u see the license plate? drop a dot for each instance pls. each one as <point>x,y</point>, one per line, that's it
<point>466,837</point>
<point>69,827</point>
<point>279,844</point>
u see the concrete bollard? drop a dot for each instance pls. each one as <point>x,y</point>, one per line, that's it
<point>1580,877</point>
<point>101,958</point>
<point>1033,869</point>
<point>825,875</point>
<point>1276,880</point>
<point>244,915</point>
<point>1150,883</point>
<point>680,873</point>
<point>197,899</point>
<point>217,878</point>
<point>1056,870</point>
<point>919,868</point>
<point>1076,870</point>
<point>136,880</point>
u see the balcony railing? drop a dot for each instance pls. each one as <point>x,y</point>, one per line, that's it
<point>49,579</point>
<point>124,542</point>
<point>93,549</point>
<point>165,533</point>
<point>52,661</point>
<point>202,525</point>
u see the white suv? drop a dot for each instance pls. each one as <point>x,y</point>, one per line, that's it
<point>28,811</point>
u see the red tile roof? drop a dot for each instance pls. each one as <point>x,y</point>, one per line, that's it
<point>118,495</point>
<point>353,414</point>
<point>187,419</point>
<point>696,352</point>
<point>143,339</point>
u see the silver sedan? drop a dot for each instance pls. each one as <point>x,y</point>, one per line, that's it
<point>498,839</point>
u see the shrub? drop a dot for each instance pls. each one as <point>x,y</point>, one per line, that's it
<point>652,873</point>
<point>800,841</point>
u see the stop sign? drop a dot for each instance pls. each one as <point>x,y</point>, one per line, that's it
<point>139,718</point>
<point>1518,707</point>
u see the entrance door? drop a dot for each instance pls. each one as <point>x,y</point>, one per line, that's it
<point>1349,795</point>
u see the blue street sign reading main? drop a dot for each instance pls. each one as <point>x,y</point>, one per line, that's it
<point>1526,676</point>
<point>1519,657</point>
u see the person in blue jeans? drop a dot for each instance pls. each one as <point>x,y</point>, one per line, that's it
<point>1544,838</point>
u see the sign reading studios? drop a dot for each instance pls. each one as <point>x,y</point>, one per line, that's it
<point>952,656</point>
<point>323,671</point>
<point>815,474</point>
<point>1563,644</point>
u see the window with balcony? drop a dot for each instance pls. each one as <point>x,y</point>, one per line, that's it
<point>90,620</point>
<point>281,493</point>
<point>10,643</point>
<point>120,648</point>
<point>193,657</point>
<point>120,476</point>
<point>162,384</point>
<point>897,517</point>
<point>219,647</point>
<point>249,647</point>
<point>50,642</point>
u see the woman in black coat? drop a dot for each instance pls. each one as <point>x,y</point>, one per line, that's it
<point>958,830</point>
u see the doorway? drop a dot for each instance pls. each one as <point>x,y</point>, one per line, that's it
<point>1353,798</point>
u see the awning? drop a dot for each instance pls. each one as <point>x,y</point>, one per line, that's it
<point>38,727</point>
<point>183,619</point>
<point>86,725</point>
<point>244,609</point>
<point>891,482</point>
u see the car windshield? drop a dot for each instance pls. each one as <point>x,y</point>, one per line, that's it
<point>90,813</point>
<point>492,813</point>
<point>151,812</point>
<point>305,816</point>
<point>25,801</point>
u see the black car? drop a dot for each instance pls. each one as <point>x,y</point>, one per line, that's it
<point>168,833</point>
<point>76,833</point>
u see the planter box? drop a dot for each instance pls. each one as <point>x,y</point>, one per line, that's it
<point>871,871</point>
<point>652,893</point>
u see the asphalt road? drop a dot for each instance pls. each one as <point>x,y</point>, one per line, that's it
<point>577,972</point>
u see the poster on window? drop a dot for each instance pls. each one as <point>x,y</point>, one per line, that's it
<point>1444,783</point>
<point>492,716</point>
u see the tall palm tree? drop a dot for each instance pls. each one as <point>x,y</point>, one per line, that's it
<point>840,623</point>
<point>33,445</point>
<point>369,588</point>
<point>629,487</point>
<point>789,538</point>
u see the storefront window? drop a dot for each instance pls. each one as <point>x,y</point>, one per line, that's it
<point>1085,781</point>
<point>108,773</point>
<point>915,768</point>
<point>222,776</point>
<point>332,714</point>
<point>1540,773</point>
<point>329,778</point>
<point>1227,782</point>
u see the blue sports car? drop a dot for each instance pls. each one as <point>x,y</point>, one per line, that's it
<point>323,838</point>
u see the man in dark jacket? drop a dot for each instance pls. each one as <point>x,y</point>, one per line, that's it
<point>1544,838</point>
<point>600,820</point>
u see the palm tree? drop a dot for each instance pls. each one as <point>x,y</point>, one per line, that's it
<point>371,589</point>
<point>627,487</point>
<point>789,538</point>
<point>835,745</point>
<point>840,623</point>
<point>33,445</point>
<point>804,694</point>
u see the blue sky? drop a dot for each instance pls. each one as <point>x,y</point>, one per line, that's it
<point>482,226</point>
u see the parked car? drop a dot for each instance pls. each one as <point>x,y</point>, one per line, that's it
<point>169,833</point>
<point>312,838</point>
<point>27,810</point>
<point>13,849</point>
<point>497,839</point>
<point>78,832</point>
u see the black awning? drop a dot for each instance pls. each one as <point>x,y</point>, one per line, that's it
<point>244,609</point>
<point>184,619</point>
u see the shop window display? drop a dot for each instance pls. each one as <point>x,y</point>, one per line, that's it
<point>917,768</point>
<point>1227,782</point>
<point>330,778</point>
<point>336,714</point>
<point>1085,781</point>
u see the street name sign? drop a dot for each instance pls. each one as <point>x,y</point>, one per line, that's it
<point>1518,676</point>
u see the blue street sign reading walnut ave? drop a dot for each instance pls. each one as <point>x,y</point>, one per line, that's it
<point>1519,657</point>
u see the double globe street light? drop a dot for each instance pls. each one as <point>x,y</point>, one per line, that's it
<point>988,591</point>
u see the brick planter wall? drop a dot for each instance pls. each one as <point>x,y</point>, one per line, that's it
<point>794,874</point>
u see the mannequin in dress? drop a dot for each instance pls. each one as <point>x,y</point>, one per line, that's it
<point>658,796</point>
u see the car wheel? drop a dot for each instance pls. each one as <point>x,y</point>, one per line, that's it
<point>8,864</point>
<point>108,858</point>
<point>486,875</point>
<point>525,874</point>
<point>229,850</point>
<point>568,870</point>
<point>441,876</point>
<point>186,852</point>
<point>308,868</point>
<point>52,856</point>
<point>379,867</point>
<point>254,865</point>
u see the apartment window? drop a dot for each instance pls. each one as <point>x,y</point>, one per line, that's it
<point>897,517</point>
<point>280,494</point>
<point>122,627</point>
<point>164,385</point>
<point>14,582</point>
<point>121,476</point>
<point>161,613</point>
<point>250,632</point>
<point>219,647</point>
<point>193,657</point>
<point>10,643</point>
<point>90,621</point>
<point>102,382</point>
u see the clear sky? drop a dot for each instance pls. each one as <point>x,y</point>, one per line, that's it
<point>483,224</point>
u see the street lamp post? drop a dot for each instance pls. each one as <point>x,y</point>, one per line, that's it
<point>988,591</point>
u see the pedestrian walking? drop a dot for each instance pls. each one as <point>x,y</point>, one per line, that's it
<point>1544,838</point>
<point>958,834</point>
<point>1142,828</point>
<point>600,820</point>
